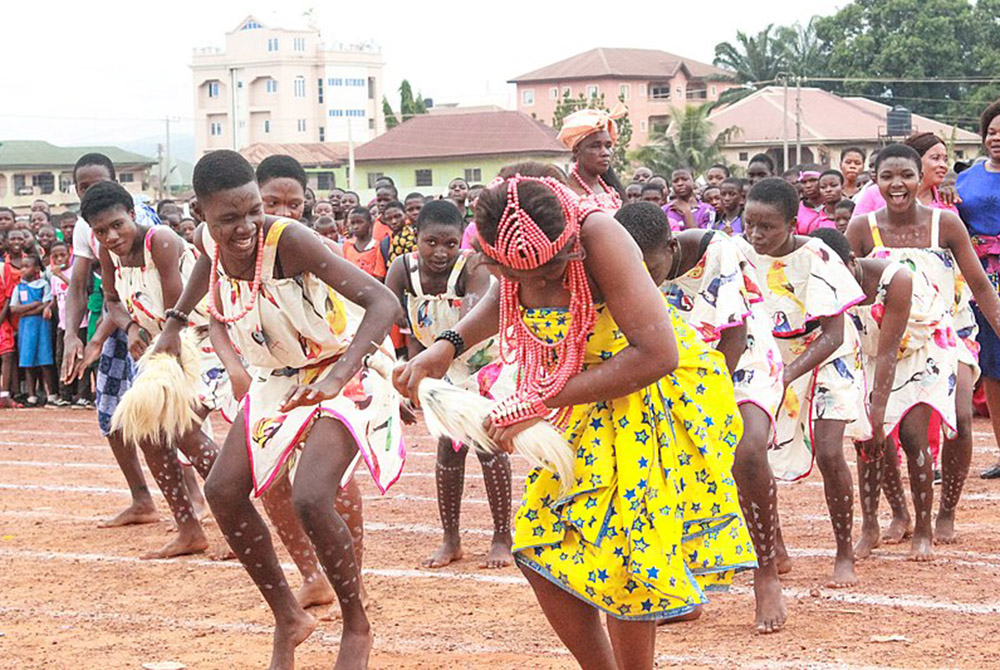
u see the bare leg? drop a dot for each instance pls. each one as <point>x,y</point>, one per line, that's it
<point>992,388</point>
<point>759,502</point>
<point>913,435</point>
<point>870,490</point>
<point>449,475</point>
<point>142,509</point>
<point>901,525</point>
<point>166,469</point>
<point>781,557</point>
<point>201,451</point>
<point>349,506</point>
<point>634,642</point>
<point>328,453</point>
<point>956,456</point>
<point>829,447</point>
<point>194,494</point>
<point>228,491</point>
<point>496,476</point>
<point>6,380</point>
<point>576,623</point>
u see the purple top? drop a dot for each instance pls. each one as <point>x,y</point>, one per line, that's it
<point>703,216</point>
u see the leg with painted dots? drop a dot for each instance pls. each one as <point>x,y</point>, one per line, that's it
<point>168,474</point>
<point>449,475</point>
<point>913,436</point>
<point>828,443</point>
<point>956,456</point>
<point>901,526</point>
<point>496,476</point>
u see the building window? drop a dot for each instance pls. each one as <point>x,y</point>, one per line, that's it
<point>215,128</point>
<point>126,177</point>
<point>299,44</point>
<point>425,178</point>
<point>213,89</point>
<point>325,181</point>
<point>624,91</point>
<point>301,124</point>
<point>322,134</point>
<point>336,112</point>
<point>374,177</point>
<point>356,113</point>
<point>267,125</point>
<point>271,86</point>
<point>19,185</point>
<point>554,93</point>
<point>45,182</point>
<point>714,93</point>
<point>335,81</point>
<point>272,44</point>
<point>371,88</point>
<point>355,82</point>
<point>528,97</point>
<point>643,126</point>
<point>239,84</point>
<point>371,124</point>
<point>659,91</point>
<point>473,175</point>
<point>566,91</point>
<point>300,87</point>
<point>592,91</point>
<point>744,156</point>
<point>319,90</point>
<point>250,25</point>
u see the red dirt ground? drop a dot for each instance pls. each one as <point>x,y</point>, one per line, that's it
<point>73,594</point>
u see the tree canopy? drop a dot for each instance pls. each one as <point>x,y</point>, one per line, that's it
<point>690,140</point>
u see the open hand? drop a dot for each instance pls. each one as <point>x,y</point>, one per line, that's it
<point>312,394</point>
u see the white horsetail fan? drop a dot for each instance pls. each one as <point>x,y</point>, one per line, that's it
<point>160,406</point>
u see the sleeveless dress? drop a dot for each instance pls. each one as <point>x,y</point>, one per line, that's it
<point>652,520</point>
<point>293,334</point>
<point>928,353</point>
<point>939,265</point>
<point>807,284</point>
<point>140,290</point>
<point>721,292</point>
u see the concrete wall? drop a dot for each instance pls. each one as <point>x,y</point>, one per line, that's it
<point>62,193</point>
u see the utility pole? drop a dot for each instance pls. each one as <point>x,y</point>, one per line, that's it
<point>784,134</point>
<point>167,187</point>
<point>159,180</point>
<point>798,120</point>
<point>350,157</point>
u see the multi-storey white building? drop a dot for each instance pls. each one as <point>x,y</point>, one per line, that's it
<point>285,86</point>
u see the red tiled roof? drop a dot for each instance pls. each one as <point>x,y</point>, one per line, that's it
<point>312,154</point>
<point>622,63</point>
<point>825,118</point>
<point>452,135</point>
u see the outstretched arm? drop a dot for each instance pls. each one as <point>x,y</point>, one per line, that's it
<point>898,300</point>
<point>954,236</point>
<point>195,289</point>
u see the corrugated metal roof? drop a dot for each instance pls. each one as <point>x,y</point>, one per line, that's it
<point>39,154</point>
<point>310,154</point>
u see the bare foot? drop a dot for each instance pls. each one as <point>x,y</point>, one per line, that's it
<point>869,540</point>
<point>316,592</point>
<point>944,529</point>
<point>182,545</point>
<point>134,514</point>
<point>899,529</point>
<point>782,560</point>
<point>355,647</point>
<point>771,614</point>
<point>448,552</point>
<point>334,613</point>
<point>222,553</point>
<point>693,615</point>
<point>500,555</point>
<point>287,637</point>
<point>922,549</point>
<point>843,574</point>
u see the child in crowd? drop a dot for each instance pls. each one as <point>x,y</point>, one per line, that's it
<point>32,305</point>
<point>842,214</point>
<point>729,219</point>
<point>633,192</point>
<point>10,276</point>
<point>37,219</point>
<point>710,283</point>
<point>412,205</point>
<point>7,219</point>
<point>685,210</point>
<point>59,274</point>
<point>186,229</point>
<point>712,196</point>
<point>654,193</point>
<point>326,226</point>
<point>458,193</point>
<point>322,208</point>
<point>67,222</point>
<point>811,204</point>
<point>831,192</point>
<point>46,238</point>
<point>761,166</point>
<point>401,239</point>
<point>908,345</point>
<point>715,175</point>
<point>437,286</point>
<point>852,164</point>
<point>362,250</point>
<point>807,290</point>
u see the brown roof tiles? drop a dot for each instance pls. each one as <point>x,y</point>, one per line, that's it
<point>623,64</point>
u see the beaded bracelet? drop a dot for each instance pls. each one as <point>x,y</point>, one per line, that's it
<point>513,410</point>
<point>455,339</point>
<point>177,314</point>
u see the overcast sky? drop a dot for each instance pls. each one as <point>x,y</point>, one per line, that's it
<point>79,73</point>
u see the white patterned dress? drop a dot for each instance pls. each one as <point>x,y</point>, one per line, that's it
<point>721,292</point>
<point>928,352</point>
<point>293,334</point>
<point>810,283</point>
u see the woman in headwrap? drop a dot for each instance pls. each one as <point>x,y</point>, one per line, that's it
<point>591,135</point>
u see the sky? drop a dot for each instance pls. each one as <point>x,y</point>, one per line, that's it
<point>74,74</point>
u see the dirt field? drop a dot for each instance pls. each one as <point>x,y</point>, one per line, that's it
<point>73,595</point>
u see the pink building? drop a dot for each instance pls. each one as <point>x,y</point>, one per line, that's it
<point>650,82</point>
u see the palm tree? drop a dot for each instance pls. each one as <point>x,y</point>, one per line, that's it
<point>803,54</point>
<point>755,58</point>
<point>690,140</point>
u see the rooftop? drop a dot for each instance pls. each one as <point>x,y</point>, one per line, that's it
<point>40,154</point>
<point>454,135</point>
<point>825,118</point>
<point>312,154</point>
<point>622,64</point>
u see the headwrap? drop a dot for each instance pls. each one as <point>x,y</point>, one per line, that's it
<point>584,122</point>
<point>809,174</point>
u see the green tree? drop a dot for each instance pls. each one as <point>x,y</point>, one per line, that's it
<point>803,54</point>
<point>689,140</point>
<point>754,58</point>
<point>567,105</point>
<point>408,105</point>
<point>390,116</point>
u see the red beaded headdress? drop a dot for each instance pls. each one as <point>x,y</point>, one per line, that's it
<point>543,368</point>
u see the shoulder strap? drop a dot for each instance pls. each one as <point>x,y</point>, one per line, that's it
<point>456,271</point>
<point>890,271</point>
<point>270,249</point>
<point>876,235</point>
<point>935,228</point>
<point>147,248</point>
<point>706,240</point>
<point>413,266</point>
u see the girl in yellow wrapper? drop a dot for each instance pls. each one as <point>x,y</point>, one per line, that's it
<point>315,395</point>
<point>652,519</point>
